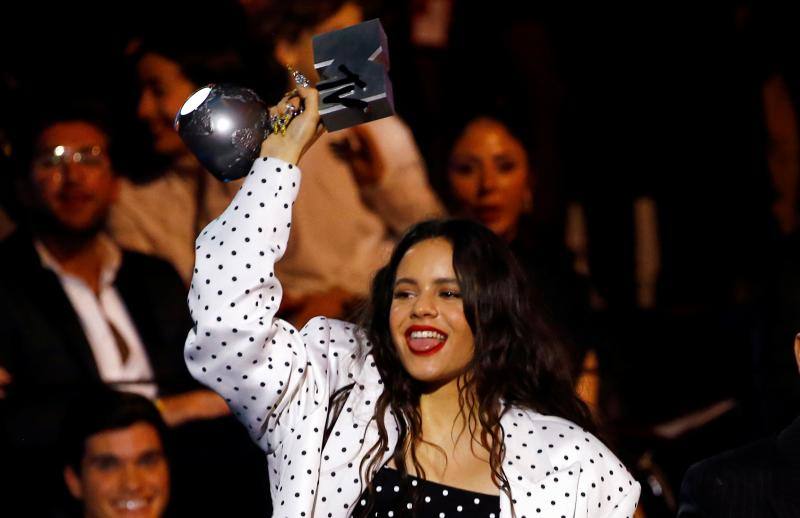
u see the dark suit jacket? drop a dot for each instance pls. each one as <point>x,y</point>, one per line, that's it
<point>44,347</point>
<point>759,480</point>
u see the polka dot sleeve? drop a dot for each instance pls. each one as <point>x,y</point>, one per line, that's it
<point>270,377</point>
<point>573,473</point>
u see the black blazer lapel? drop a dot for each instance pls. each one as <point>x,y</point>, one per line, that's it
<point>49,317</point>
<point>155,298</point>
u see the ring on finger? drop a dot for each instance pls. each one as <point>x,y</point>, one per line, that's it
<point>299,78</point>
<point>292,110</point>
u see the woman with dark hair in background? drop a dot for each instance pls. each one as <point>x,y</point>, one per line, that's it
<point>477,416</point>
<point>162,216</point>
<point>492,179</point>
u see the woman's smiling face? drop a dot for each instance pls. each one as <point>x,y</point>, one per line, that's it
<point>430,332</point>
<point>163,90</point>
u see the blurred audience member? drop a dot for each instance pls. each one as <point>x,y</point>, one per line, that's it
<point>115,461</point>
<point>757,480</point>
<point>162,217</point>
<point>361,186</point>
<point>490,176</point>
<point>491,179</point>
<point>76,310</point>
<point>76,297</point>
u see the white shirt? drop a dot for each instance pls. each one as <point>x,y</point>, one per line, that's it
<point>95,312</point>
<point>278,381</point>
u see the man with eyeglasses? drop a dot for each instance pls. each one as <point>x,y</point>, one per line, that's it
<point>76,310</point>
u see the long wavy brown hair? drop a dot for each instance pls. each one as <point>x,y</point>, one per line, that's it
<point>515,362</point>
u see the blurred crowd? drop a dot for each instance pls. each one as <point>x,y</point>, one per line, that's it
<point>641,162</point>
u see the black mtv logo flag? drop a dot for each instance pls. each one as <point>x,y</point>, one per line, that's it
<point>353,65</point>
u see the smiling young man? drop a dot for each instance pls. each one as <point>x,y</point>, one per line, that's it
<point>116,465</point>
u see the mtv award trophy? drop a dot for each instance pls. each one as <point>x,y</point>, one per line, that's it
<point>224,125</point>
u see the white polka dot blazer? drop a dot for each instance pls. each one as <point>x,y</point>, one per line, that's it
<point>278,381</point>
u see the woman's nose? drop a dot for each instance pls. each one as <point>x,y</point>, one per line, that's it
<point>488,179</point>
<point>425,306</point>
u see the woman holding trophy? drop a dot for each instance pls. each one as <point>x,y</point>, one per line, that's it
<point>443,402</point>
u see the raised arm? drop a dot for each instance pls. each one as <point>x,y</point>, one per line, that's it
<point>268,374</point>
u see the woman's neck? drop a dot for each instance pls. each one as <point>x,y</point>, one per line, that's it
<point>451,452</point>
<point>440,411</point>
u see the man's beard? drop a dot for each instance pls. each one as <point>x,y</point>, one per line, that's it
<point>44,222</point>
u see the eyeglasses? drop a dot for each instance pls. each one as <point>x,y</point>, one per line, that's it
<point>58,155</point>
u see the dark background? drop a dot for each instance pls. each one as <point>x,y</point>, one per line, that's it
<point>662,100</point>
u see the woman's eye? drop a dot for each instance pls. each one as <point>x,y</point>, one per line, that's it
<point>401,294</point>
<point>461,169</point>
<point>454,294</point>
<point>507,166</point>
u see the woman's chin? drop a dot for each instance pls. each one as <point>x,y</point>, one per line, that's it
<point>431,379</point>
<point>502,228</point>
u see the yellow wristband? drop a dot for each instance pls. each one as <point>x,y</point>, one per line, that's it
<point>159,403</point>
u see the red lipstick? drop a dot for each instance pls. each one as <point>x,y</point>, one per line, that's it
<point>427,340</point>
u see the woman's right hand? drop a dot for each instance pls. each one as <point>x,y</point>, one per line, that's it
<point>302,131</point>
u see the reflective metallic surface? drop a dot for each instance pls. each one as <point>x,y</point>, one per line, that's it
<point>224,125</point>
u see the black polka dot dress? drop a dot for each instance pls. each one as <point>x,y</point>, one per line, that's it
<point>278,381</point>
<point>396,497</point>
